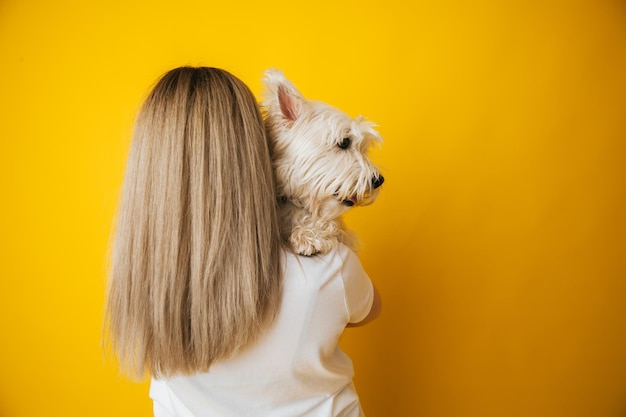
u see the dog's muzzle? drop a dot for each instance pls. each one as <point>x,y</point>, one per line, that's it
<point>377,181</point>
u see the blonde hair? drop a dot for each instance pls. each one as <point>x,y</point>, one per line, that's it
<point>195,269</point>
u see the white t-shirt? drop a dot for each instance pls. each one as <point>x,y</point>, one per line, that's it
<point>295,368</point>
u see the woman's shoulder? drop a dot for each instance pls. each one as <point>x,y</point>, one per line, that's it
<point>338,251</point>
<point>340,260</point>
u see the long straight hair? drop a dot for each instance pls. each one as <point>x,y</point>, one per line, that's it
<point>195,268</point>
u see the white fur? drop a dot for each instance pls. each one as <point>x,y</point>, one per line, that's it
<point>315,177</point>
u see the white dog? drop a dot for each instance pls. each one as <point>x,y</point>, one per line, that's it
<point>321,166</point>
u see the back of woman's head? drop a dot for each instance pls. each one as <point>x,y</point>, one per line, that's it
<point>195,269</point>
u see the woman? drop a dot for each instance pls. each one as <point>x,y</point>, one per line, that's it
<point>202,294</point>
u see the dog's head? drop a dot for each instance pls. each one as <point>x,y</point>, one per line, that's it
<point>319,153</point>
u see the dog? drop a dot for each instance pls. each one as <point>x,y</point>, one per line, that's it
<point>321,166</point>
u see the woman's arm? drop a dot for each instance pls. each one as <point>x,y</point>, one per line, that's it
<point>374,311</point>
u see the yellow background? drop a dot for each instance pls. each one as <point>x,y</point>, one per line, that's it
<point>498,243</point>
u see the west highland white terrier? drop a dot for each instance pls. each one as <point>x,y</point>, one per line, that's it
<point>321,166</point>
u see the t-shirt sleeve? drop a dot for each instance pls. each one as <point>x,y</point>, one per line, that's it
<point>359,291</point>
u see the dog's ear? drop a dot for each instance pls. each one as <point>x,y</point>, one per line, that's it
<point>282,97</point>
<point>289,107</point>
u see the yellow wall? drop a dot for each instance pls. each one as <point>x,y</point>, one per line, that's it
<point>498,243</point>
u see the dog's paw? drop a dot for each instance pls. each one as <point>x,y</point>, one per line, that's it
<point>304,242</point>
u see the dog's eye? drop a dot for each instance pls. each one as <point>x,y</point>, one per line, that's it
<point>345,143</point>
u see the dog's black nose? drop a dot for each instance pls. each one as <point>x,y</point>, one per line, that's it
<point>377,181</point>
